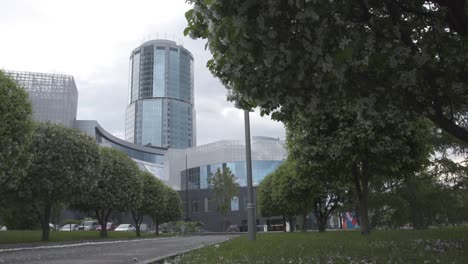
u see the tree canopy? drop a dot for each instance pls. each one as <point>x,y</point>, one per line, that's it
<point>351,144</point>
<point>118,187</point>
<point>64,168</point>
<point>15,132</point>
<point>152,202</point>
<point>291,56</point>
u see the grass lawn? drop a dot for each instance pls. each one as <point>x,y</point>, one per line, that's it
<point>28,236</point>
<point>447,245</point>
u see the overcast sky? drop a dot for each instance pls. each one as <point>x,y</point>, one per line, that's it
<point>92,41</point>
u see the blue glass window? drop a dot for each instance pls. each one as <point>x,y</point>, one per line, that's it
<point>159,80</point>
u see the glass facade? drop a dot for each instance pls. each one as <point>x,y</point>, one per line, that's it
<point>54,97</point>
<point>130,123</point>
<point>159,72</point>
<point>199,177</point>
<point>151,122</point>
<point>162,92</point>
<point>135,84</point>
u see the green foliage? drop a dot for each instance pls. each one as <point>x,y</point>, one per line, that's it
<point>352,145</point>
<point>293,190</point>
<point>118,187</point>
<point>159,201</point>
<point>266,203</point>
<point>173,205</point>
<point>63,169</point>
<point>225,187</point>
<point>293,56</point>
<point>283,193</point>
<point>395,246</point>
<point>15,132</point>
<point>19,215</point>
<point>420,201</point>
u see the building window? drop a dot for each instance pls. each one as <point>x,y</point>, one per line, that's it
<point>195,206</point>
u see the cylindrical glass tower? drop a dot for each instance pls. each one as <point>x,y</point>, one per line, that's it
<point>161,109</point>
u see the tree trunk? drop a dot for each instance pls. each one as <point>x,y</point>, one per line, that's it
<point>362,188</point>
<point>320,216</point>
<point>137,229</point>
<point>137,218</point>
<point>304,222</point>
<point>417,218</point>
<point>102,217</point>
<point>284,223</point>
<point>321,221</point>
<point>364,213</point>
<point>157,227</point>
<point>45,223</point>
<point>340,218</point>
<point>291,224</point>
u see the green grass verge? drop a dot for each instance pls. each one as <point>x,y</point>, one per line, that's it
<point>448,245</point>
<point>28,236</point>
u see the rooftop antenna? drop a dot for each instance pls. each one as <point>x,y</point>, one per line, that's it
<point>158,35</point>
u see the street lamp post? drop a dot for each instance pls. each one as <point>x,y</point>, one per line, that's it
<point>187,218</point>
<point>251,222</point>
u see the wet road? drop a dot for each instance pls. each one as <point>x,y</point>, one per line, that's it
<point>123,251</point>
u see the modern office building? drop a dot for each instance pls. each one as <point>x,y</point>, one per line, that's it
<point>160,110</point>
<point>54,96</point>
<point>163,125</point>
<point>191,169</point>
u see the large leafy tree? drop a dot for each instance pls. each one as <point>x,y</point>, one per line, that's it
<point>118,188</point>
<point>362,146</point>
<point>15,132</point>
<point>225,187</point>
<point>64,168</point>
<point>290,56</point>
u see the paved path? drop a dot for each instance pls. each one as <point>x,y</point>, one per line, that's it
<point>123,251</point>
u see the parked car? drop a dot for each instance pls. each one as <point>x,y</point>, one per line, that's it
<point>88,225</point>
<point>53,227</point>
<point>233,228</point>
<point>3,228</point>
<point>144,228</point>
<point>109,226</point>
<point>125,228</point>
<point>69,227</point>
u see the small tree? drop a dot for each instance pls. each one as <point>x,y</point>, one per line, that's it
<point>225,186</point>
<point>118,187</point>
<point>172,205</point>
<point>152,202</point>
<point>64,167</point>
<point>165,206</point>
<point>272,197</point>
<point>16,131</point>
